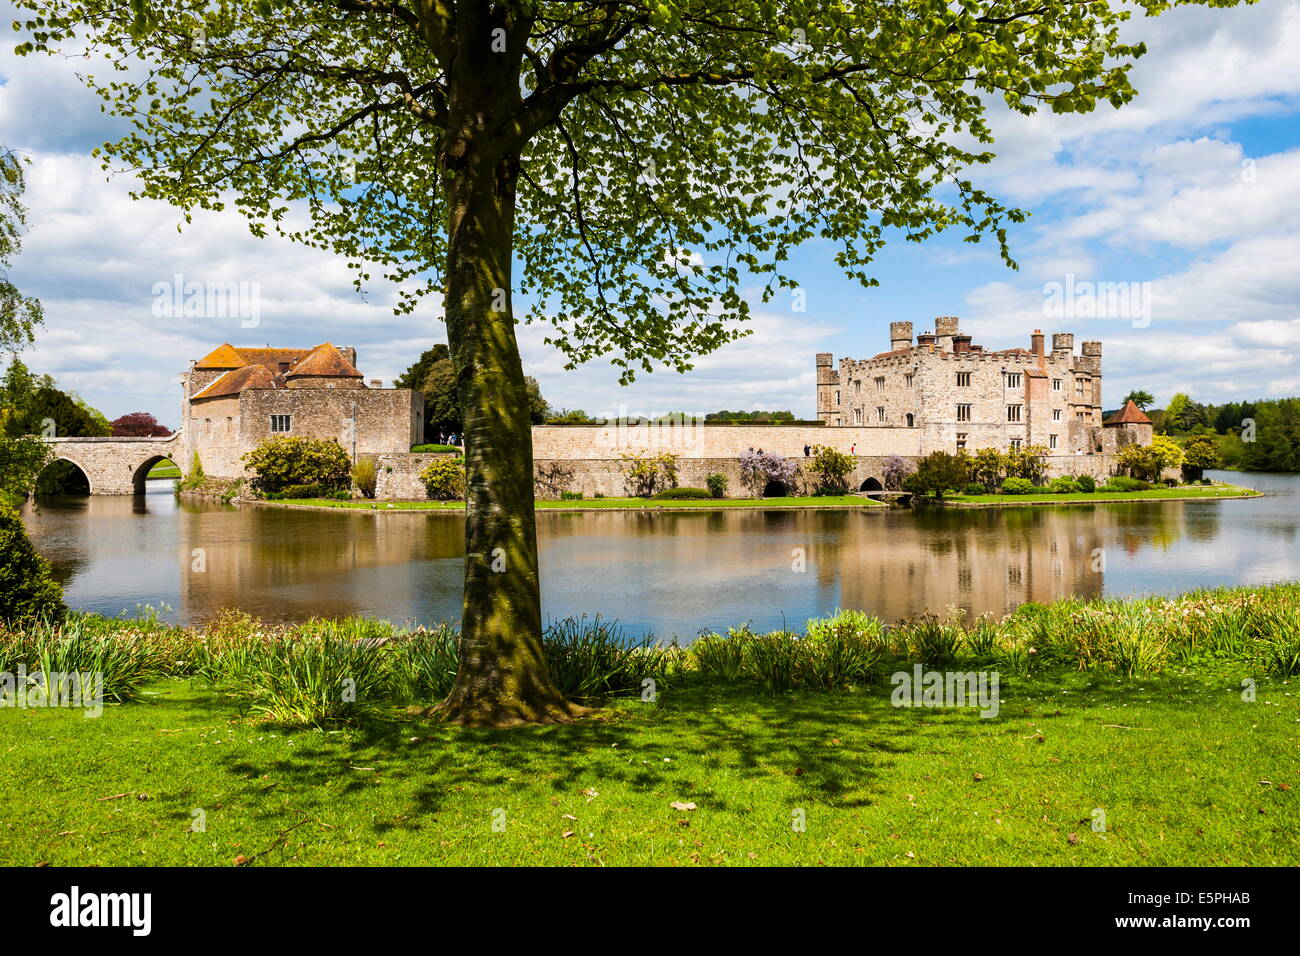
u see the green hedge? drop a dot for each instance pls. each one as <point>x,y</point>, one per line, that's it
<point>670,494</point>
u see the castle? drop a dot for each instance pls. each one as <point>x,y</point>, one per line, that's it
<point>937,393</point>
<point>235,398</point>
<point>962,397</point>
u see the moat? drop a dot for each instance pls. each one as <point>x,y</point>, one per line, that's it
<point>669,573</point>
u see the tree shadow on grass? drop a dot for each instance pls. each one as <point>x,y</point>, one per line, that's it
<point>820,748</point>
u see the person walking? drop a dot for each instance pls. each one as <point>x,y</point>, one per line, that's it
<point>853,450</point>
<point>807,451</point>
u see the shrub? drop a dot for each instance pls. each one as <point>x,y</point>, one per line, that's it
<point>1125,483</point>
<point>195,478</point>
<point>1064,486</point>
<point>894,472</point>
<point>283,461</point>
<point>28,591</point>
<point>430,448</point>
<point>1017,486</point>
<point>937,474</point>
<point>571,496</point>
<point>1029,462</point>
<point>717,484</point>
<point>297,492</point>
<point>1086,483</point>
<point>721,656</point>
<point>975,488</point>
<point>758,469</point>
<point>365,473</point>
<point>643,475</point>
<point>830,468</point>
<point>444,478</point>
<point>669,494</point>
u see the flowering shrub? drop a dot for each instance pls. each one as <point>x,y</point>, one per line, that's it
<point>759,468</point>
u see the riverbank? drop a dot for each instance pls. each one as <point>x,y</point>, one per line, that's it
<point>1113,726</point>
<point>1179,493</point>
<point>586,504</point>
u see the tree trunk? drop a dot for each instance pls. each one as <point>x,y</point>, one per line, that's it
<point>502,678</point>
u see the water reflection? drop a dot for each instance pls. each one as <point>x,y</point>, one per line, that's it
<point>668,572</point>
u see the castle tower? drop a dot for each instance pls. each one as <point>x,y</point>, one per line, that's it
<point>828,381</point>
<point>900,336</point>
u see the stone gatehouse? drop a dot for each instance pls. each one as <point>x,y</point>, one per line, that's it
<point>235,398</point>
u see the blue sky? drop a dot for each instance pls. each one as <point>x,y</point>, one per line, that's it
<point>1194,188</point>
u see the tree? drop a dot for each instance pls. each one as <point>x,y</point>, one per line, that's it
<point>830,468</point>
<point>442,409</point>
<point>937,474</point>
<point>1149,462</point>
<point>643,162</point>
<point>1200,452</point>
<point>414,376</point>
<point>138,425</point>
<point>22,456</point>
<point>895,471</point>
<point>1139,397</point>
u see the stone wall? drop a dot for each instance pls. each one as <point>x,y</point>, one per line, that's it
<point>594,474</point>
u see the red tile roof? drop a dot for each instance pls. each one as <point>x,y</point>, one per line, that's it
<point>323,361</point>
<point>236,380</point>
<point>1130,414</point>
<point>270,368</point>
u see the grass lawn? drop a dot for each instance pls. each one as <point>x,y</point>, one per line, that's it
<point>1186,491</point>
<point>587,504</point>
<point>1184,770</point>
<point>164,469</point>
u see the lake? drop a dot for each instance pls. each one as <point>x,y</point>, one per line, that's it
<point>668,573</point>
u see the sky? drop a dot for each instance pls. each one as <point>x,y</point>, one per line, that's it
<point>1189,196</point>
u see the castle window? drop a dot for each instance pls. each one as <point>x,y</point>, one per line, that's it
<point>961,441</point>
<point>911,420</point>
<point>1056,384</point>
<point>1056,414</point>
<point>880,381</point>
<point>837,396</point>
<point>880,413</point>
<point>857,416</point>
<point>1013,412</point>
<point>1051,441</point>
<point>1015,444</point>
<point>909,379</point>
<point>281,423</point>
<point>1079,415</point>
<point>857,386</point>
<point>963,379</point>
<point>1013,379</point>
<point>963,413</point>
<point>1078,388</point>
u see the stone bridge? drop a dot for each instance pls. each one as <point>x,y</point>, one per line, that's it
<point>117,466</point>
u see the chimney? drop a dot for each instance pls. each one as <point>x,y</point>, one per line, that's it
<point>925,341</point>
<point>900,335</point>
<point>961,344</point>
<point>1036,346</point>
<point>376,383</point>
<point>945,327</point>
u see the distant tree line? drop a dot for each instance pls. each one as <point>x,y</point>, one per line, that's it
<point>1262,435</point>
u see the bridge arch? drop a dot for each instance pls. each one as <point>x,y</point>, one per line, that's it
<point>871,484</point>
<point>141,474</point>
<point>69,475</point>
<point>117,466</point>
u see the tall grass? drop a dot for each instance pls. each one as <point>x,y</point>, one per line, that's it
<point>323,670</point>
